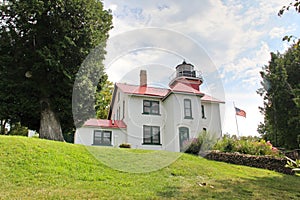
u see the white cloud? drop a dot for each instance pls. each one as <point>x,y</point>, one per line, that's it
<point>279,32</point>
<point>225,30</point>
<point>138,60</point>
<point>112,7</point>
<point>247,68</point>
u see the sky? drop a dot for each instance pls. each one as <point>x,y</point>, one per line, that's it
<point>229,41</point>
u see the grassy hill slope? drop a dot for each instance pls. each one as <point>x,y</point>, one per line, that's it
<point>40,169</point>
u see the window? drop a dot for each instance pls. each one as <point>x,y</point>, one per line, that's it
<point>151,107</point>
<point>102,138</point>
<point>123,110</point>
<point>118,113</point>
<point>183,138</point>
<point>187,109</point>
<point>203,112</point>
<point>151,135</point>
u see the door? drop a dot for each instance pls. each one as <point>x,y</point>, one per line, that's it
<point>183,137</point>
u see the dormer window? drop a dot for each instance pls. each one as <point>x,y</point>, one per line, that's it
<point>151,107</point>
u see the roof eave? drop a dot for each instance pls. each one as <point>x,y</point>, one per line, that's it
<point>213,101</point>
<point>104,127</point>
<point>147,95</point>
<point>179,92</point>
<point>112,101</point>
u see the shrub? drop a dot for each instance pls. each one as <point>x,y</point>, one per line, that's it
<point>294,165</point>
<point>246,145</point>
<point>125,145</point>
<point>192,146</point>
<point>205,141</point>
<point>266,148</point>
<point>226,144</point>
<point>18,129</point>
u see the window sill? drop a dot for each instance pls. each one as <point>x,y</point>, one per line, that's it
<point>151,114</point>
<point>103,145</point>
<point>151,144</point>
<point>188,118</point>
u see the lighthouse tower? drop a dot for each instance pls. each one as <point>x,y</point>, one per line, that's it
<point>186,75</point>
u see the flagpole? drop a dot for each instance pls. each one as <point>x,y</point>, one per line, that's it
<point>237,127</point>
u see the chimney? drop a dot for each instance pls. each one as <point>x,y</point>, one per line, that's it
<point>143,78</point>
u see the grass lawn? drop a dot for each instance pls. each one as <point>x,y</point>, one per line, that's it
<point>40,169</point>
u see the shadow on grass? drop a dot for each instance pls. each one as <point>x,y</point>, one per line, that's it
<point>273,187</point>
<point>133,160</point>
<point>234,182</point>
<point>169,191</point>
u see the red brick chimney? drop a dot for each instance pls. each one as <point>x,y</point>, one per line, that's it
<point>143,78</point>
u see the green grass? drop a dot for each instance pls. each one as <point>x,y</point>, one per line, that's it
<point>38,169</point>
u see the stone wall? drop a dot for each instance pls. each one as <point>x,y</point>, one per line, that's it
<point>265,162</point>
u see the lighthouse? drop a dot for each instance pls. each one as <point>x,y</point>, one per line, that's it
<point>186,74</point>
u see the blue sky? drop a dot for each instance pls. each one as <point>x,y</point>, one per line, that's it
<point>229,41</point>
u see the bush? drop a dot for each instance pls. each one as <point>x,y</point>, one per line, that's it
<point>18,129</point>
<point>125,145</point>
<point>226,144</point>
<point>246,145</point>
<point>193,146</point>
<point>205,141</point>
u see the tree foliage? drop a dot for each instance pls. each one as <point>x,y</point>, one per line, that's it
<point>103,97</point>
<point>296,5</point>
<point>280,91</point>
<point>293,4</point>
<point>43,44</point>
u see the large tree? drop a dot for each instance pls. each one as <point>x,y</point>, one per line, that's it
<point>43,44</point>
<point>281,99</point>
<point>281,93</point>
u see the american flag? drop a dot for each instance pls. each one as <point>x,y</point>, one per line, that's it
<point>240,112</point>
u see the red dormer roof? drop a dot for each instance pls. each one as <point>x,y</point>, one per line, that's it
<point>180,87</point>
<point>105,123</point>
<point>211,99</point>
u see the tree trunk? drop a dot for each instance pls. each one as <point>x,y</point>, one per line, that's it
<point>50,125</point>
<point>3,123</point>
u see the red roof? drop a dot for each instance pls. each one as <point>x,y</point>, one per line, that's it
<point>142,90</point>
<point>180,87</point>
<point>105,123</point>
<point>211,99</point>
<point>163,92</point>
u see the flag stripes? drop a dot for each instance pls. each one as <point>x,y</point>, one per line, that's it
<point>240,112</point>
